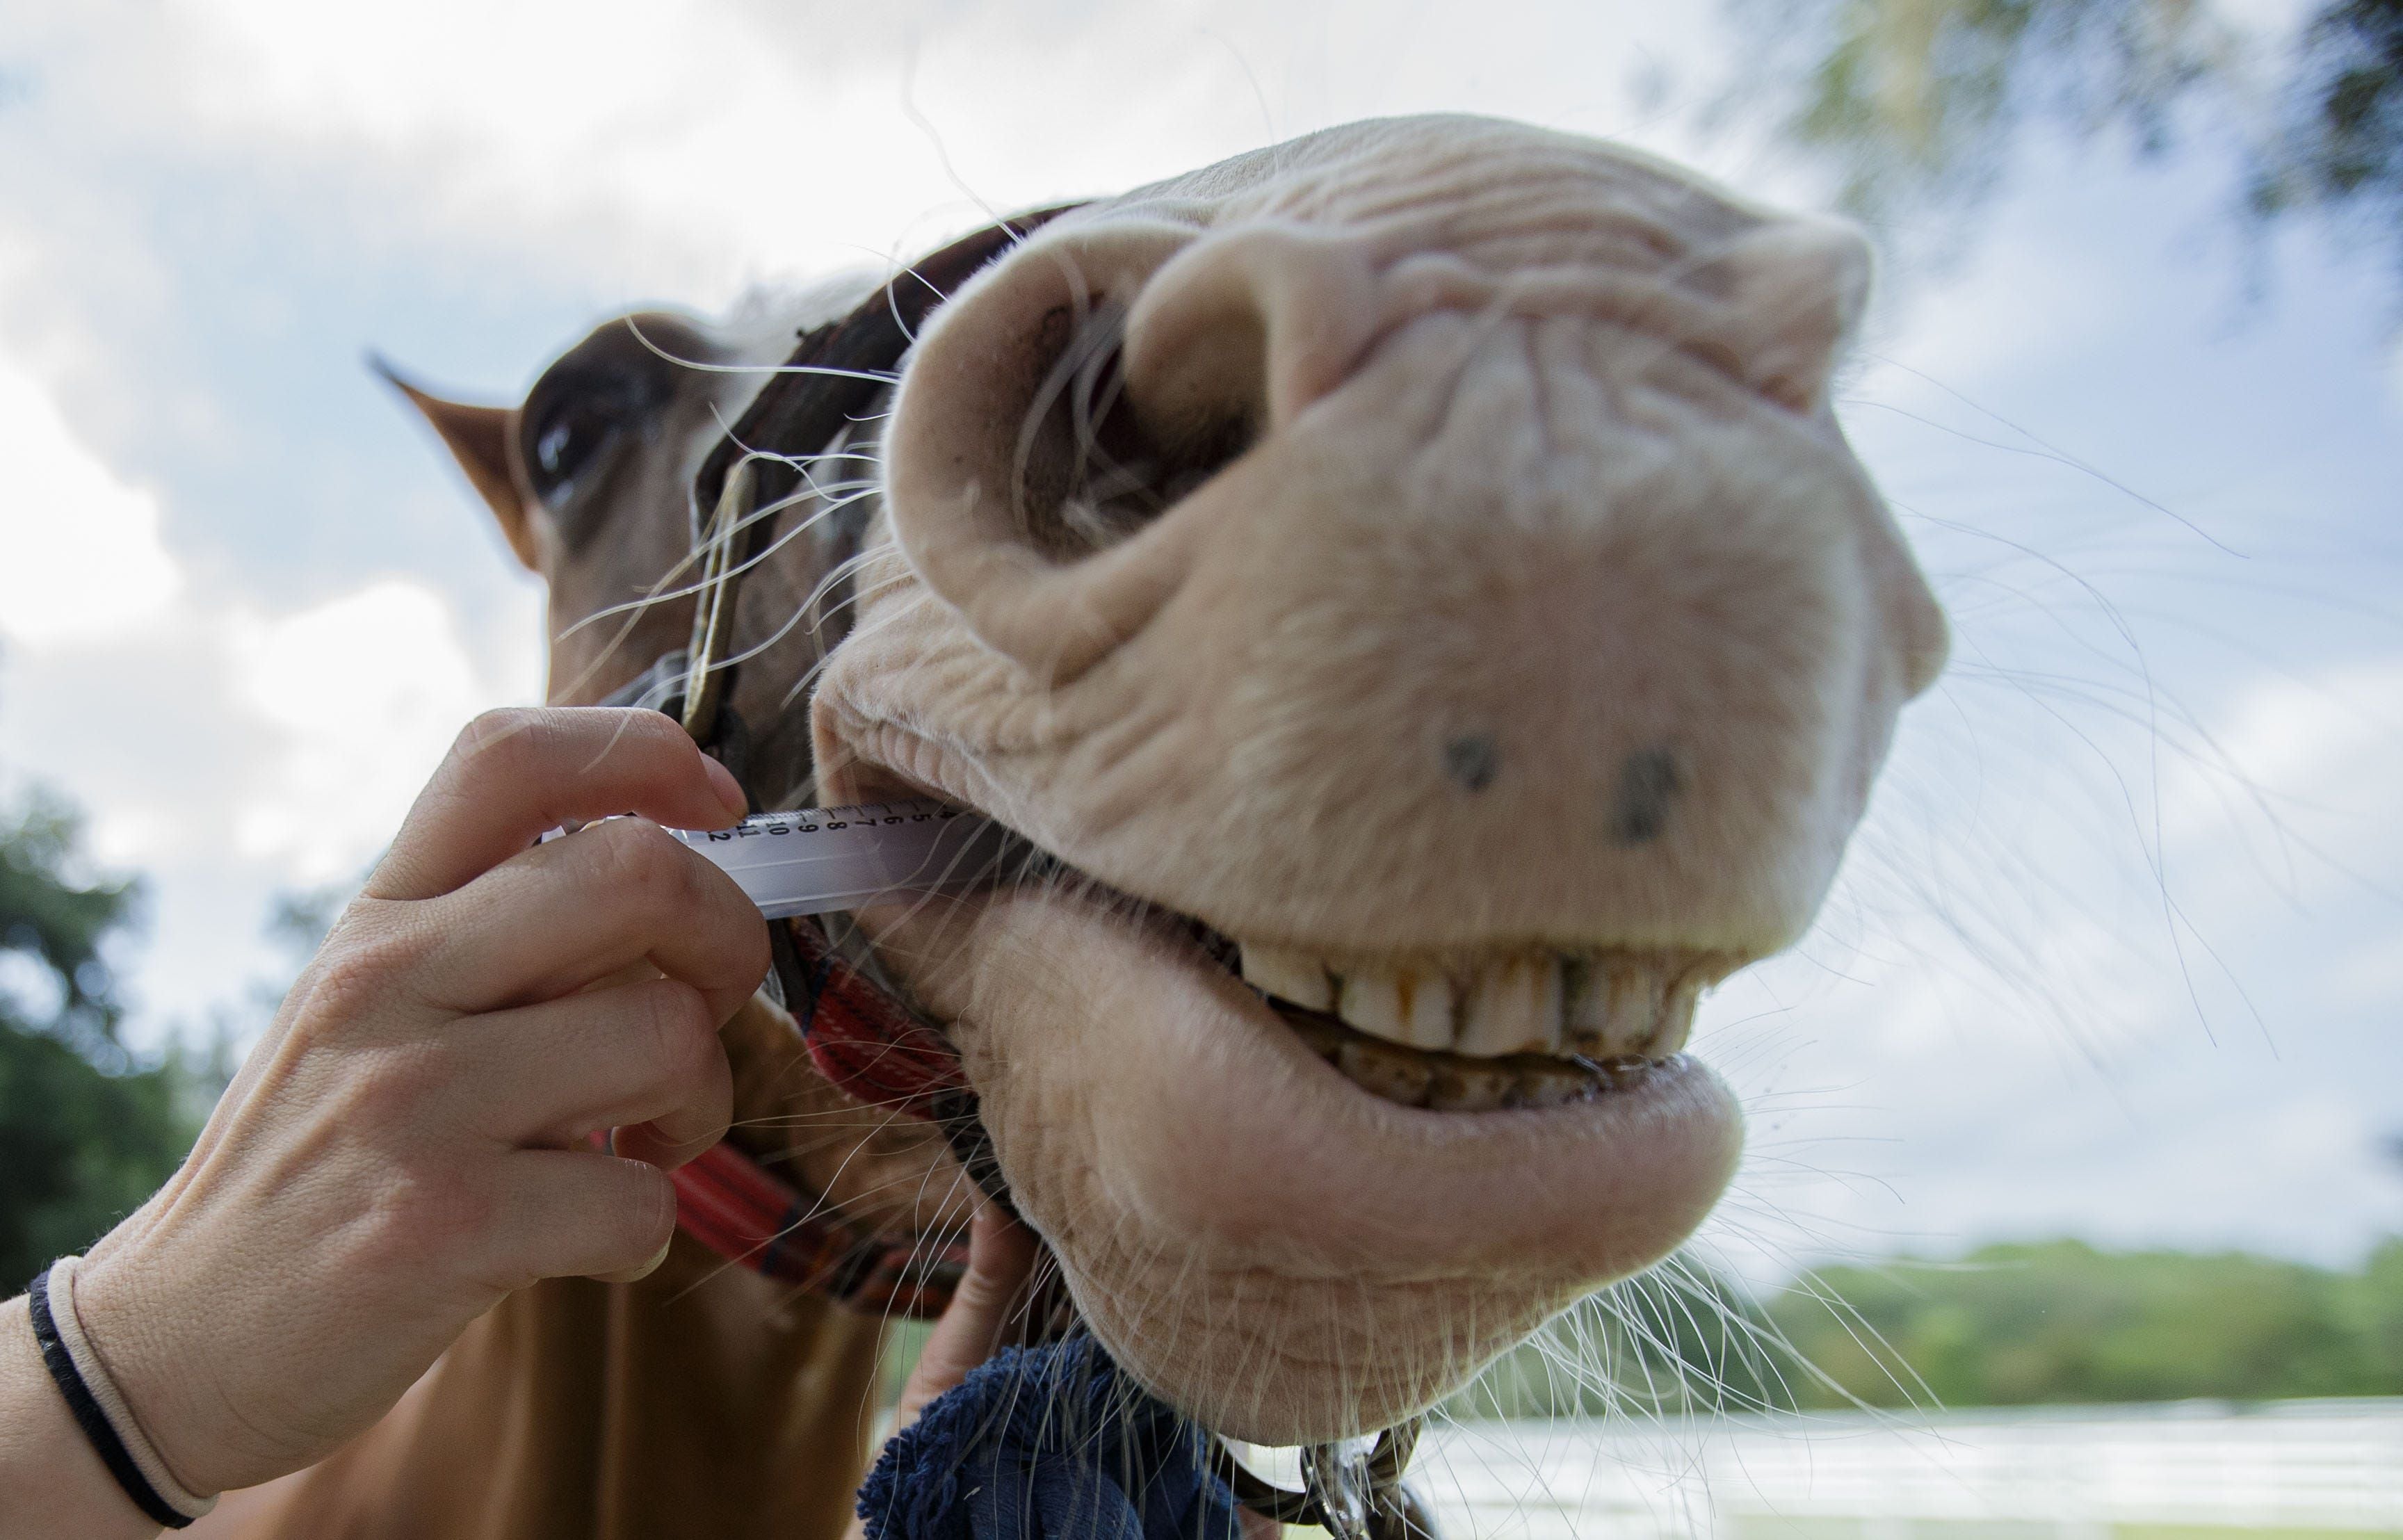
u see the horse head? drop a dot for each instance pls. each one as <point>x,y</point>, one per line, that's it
<point>1411,585</point>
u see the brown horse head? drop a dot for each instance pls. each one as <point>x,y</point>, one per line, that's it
<point>1412,580</point>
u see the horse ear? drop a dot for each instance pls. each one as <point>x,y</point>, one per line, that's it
<point>483,441</point>
<point>1798,288</point>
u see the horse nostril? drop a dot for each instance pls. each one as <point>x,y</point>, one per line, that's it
<point>1088,471</point>
<point>1472,760</point>
<point>1255,323</point>
<point>1648,781</point>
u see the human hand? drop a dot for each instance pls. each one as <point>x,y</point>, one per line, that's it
<point>406,1145</point>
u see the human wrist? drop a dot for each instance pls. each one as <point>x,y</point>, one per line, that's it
<point>90,1380</point>
<point>51,1480</point>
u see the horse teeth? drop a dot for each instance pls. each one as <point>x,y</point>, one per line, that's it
<point>1554,1086</point>
<point>1514,1006</point>
<point>1456,1086</point>
<point>1289,975</point>
<point>1676,1020</point>
<point>1321,1037</point>
<point>1622,1071</point>
<point>1371,1000</point>
<point>1618,1011</point>
<point>1430,1012</point>
<point>1531,1029</point>
<point>1395,1073</point>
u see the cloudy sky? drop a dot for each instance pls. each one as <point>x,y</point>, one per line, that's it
<point>2119,952</point>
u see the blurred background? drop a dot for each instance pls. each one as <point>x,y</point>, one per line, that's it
<point>2077,1154</point>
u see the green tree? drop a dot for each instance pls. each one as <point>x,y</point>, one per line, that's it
<point>2373,1310</point>
<point>86,1131</point>
<point>1920,103</point>
<point>2010,1325</point>
<point>2061,1321</point>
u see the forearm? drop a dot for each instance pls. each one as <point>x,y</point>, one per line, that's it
<point>51,1482</point>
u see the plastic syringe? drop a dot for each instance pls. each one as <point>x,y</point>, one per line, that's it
<point>819,860</point>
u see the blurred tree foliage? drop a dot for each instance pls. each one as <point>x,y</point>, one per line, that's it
<point>2006,1325</point>
<point>86,1131</point>
<point>2064,1322</point>
<point>1919,101</point>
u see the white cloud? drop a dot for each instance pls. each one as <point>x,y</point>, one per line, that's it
<point>2225,1076</point>
<point>365,693</point>
<point>2316,755</point>
<point>229,754</point>
<point>2271,22</point>
<point>690,146</point>
<point>696,145</point>
<point>226,749</point>
<point>80,555</point>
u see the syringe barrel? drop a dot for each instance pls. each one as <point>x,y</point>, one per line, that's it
<point>819,860</point>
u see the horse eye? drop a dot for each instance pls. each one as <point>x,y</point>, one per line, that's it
<point>596,407</point>
<point>570,440</point>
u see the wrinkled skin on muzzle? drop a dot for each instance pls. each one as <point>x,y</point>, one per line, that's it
<point>1496,593</point>
<point>1412,582</point>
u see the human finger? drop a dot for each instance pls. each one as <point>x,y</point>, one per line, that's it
<point>512,774</point>
<point>576,1214</point>
<point>1001,1258</point>
<point>558,917</point>
<point>638,1053</point>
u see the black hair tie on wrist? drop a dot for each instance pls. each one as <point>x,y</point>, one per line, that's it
<point>88,1415</point>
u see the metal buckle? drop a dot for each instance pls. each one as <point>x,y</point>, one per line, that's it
<point>1352,1497</point>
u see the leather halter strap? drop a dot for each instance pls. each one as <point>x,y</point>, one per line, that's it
<point>859,1036</point>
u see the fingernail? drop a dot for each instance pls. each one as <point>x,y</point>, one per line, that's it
<point>729,790</point>
<point>653,1265</point>
<point>635,1275</point>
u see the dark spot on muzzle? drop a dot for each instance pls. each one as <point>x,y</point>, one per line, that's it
<point>1648,781</point>
<point>1472,760</point>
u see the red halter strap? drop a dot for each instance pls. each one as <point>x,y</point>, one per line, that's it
<point>877,1050</point>
<point>746,1213</point>
<point>868,1044</point>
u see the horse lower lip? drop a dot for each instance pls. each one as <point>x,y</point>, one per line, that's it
<point>1179,1067</point>
<point>1234,1214</point>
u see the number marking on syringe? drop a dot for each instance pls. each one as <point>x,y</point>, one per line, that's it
<point>816,860</point>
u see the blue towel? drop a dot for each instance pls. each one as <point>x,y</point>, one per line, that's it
<point>1050,1443</point>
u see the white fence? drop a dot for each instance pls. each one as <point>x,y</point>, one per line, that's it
<point>2303,1469</point>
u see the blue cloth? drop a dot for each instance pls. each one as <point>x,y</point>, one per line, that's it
<point>1050,1443</point>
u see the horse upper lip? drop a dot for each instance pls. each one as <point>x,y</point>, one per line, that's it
<point>1424,1018</point>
